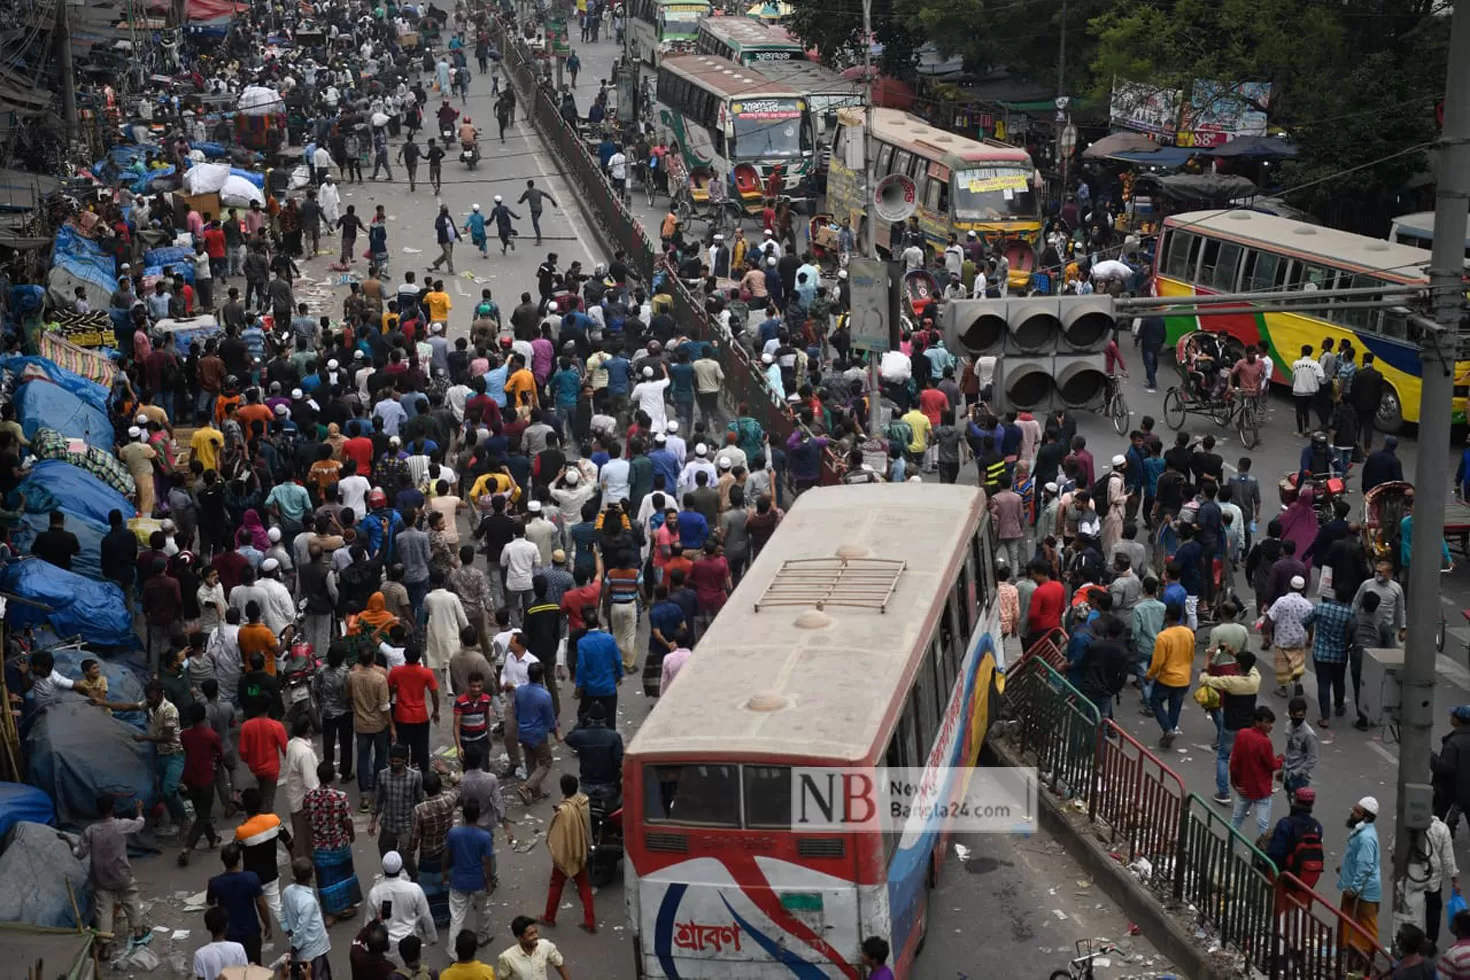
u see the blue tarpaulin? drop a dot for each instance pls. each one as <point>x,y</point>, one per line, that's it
<point>97,611</point>
<point>78,261</point>
<point>43,877</point>
<point>127,677</point>
<point>20,801</point>
<point>77,492</point>
<point>40,403</point>
<point>78,752</point>
<point>212,151</point>
<point>89,539</point>
<point>141,185</point>
<point>258,179</point>
<point>86,389</point>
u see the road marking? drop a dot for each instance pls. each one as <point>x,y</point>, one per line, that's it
<point>1377,746</point>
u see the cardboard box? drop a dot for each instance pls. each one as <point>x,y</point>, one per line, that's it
<point>203,203</point>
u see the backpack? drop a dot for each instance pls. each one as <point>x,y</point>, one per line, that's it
<point>1117,671</point>
<point>1307,858</point>
<point>1099,491</point>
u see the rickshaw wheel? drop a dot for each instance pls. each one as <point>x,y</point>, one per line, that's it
<point>1174,412</point>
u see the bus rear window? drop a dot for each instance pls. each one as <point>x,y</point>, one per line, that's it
<point>708,795</point>
<point>768,796</point>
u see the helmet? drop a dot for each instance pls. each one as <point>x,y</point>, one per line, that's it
<point>232,382</point>
<point>466,118</point>
<point>505,341</point>
<point>1319,438</point>
<point>474,207</point>
<point>377,498</point>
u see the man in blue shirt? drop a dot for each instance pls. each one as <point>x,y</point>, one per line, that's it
<point>1189,558</point>
<point>471,868</point>
<point>599,749</point>
<point>619,369</point>
<point>495,383</point>
<point>599,670</point>
<point>693,528</point>
<point>536,719</point>
<point>665,464</point>
<point>769,327</point>
<point>681,373</point>
<point>666,631</point>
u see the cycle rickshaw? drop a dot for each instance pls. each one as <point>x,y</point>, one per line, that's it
<point>1205,389</point>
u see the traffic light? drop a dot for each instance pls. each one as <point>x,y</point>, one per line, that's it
<point>1048,351</point>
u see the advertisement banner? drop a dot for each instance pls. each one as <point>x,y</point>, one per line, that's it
<point>1218,112</point>
<point>1145,108</point>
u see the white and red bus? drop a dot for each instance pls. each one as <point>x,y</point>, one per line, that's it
<point>865,635</point>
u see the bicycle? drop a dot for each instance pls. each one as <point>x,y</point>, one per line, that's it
<point>1116,407</point>
<point>1080,968</point>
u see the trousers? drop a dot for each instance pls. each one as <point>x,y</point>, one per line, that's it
<point>461,904</point>
<point>584,891</point>
<point>625,631</point>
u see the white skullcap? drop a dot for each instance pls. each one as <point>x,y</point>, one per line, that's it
<point>332,365</point>
<point>280,409</point>
<point>534,506</point>
<point>1369,804</point>
<point>274,534</point>
<point>392,863</point>
<point>134,432</point>
<point>1297,582</point>
<point>297,393</point>
<point>700,449</point>
<point>725,463</point>
<point>269,565</point>
<point>672,426</point>
<point>767,359</point>
<point>357,355</point>
<point>572,477</point>
<point>394,441</point>
<point>1119,461</point>
<point>437,326</point>
<point>648,372</point>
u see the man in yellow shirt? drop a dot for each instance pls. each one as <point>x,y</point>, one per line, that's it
<point>919,423</point>
<point>466,966</point>
<point>1171,669</point>
<point>438,303</point>
<point>206,444</point>
<point>520,387</point>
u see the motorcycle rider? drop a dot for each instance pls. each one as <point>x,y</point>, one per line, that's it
<point>599,747</point>
<point>447,114</point>
<point>469,141</point>
<point>1317,459</point>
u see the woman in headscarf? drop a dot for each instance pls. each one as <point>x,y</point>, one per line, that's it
<point>375,618</point>
<point>184,567</point>
<point>259,537</point>
<point>1299,524</point>
<point>336,440</point>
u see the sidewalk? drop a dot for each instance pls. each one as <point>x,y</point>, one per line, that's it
<point>1351,763</point>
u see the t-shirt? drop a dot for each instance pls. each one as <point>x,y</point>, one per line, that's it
<point>262,742</point>
<point>201,746</point>
<point>258,638</point>
<point>468,847</point>
<point>439,304</point>
<point>473,715</point>
<point>235,892</point>
<point>210,959</point>
<point>410,684</point>
<point>473,970</point>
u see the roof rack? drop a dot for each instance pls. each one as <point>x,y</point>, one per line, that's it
<point>860,583</point>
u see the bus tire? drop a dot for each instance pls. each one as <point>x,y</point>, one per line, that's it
<point>1390,416</point>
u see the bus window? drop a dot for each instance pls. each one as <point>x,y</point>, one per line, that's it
<point>1260,271</point>
<point>934,679</point>
<point>925,717</point>
<point>839,143</point>
<point>932,186</point>
<point>964,612</point>
<point>885,156</point>
<point>902,160</point>
<point>984,582</point>
<point>1208,262</point>
<point>1356,319</point>
<point>1316,277</point>
<point>1226,268</point>
<point>708,795</point>
<point>767,796</point>
<point>1183,253</point>
<point>1395,324</point>
<point>954,647</point>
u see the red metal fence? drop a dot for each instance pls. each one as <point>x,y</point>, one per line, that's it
<point>1139,799</point>
<point>1315,939</point>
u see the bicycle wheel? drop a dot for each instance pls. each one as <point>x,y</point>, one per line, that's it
<point>1249,425</point>
<point>1118,409</point>
<point>1174,411</point>
<point>1061,975</point>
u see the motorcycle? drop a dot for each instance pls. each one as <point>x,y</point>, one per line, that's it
<point>469,152</point>
<point>605,852</point>
<point>297,671</point>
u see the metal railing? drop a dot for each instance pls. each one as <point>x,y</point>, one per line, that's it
<point>1227,880</point>
<point>1139,799</point>
<point>1141,808</point>
<point>1316,939</point>
<point>1052,648</point>
<point>743,378</point>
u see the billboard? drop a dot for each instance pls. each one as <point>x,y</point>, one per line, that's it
<point>1218,112</point>
<point>1145,108</point>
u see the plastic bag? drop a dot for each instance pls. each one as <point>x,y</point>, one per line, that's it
<point>1454,906</point>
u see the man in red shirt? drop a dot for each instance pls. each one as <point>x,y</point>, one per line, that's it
<point>214,247</point>
<point>586,593</point>
<point>203,750</point>
<point>1253,767</point>
<point>933,403</point>
<point>1047,604</point>
<point>262,745</point>
<point>412,685</point>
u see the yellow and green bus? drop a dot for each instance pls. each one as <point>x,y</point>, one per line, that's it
<point>1203,253</point>
<point>661,27</point>
<point>963,185</point>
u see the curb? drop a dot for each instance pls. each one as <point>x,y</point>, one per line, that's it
<point>1139,903</point>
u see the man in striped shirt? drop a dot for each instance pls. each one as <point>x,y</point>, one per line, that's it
<point>472,711</point>
<point>624,581</point>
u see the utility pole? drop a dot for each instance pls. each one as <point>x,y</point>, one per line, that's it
<point>870,180</point>
<point>1441,347</point>
<point>68,76</point>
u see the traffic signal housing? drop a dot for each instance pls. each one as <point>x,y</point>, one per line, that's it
<point>1048,351</point>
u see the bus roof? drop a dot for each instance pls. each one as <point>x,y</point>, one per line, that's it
<point>750,33</point>
<point>1420,224</point>
<point>811,78</point>
<point>833,687</point>
<point>911,133</point>
<point>725,77</point>
<point>1340,249</point>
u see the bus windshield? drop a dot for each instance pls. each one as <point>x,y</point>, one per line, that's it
<point>770,128</point>
<point>993,194</point>
<point>682,20</point>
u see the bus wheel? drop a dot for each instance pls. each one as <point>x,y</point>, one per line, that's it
<point>1390,418</point>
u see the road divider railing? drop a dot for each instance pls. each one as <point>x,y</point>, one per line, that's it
<point>744,378</point>
<point>1176,842</point>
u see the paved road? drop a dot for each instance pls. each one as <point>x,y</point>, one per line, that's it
<point>1006,885</point>
<point>1353,763</point>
